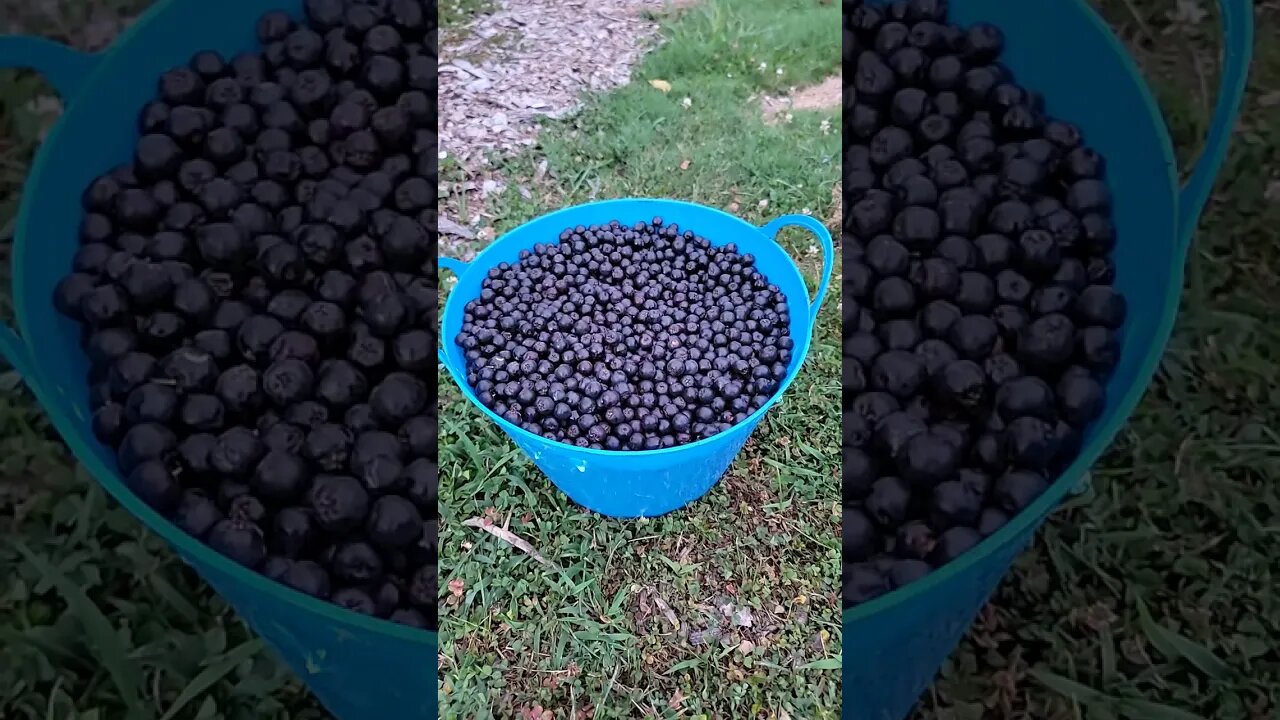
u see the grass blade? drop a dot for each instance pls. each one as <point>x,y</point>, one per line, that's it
<point>833,663</point>
<point>1070,688</point>
<point>1146,710</point>
<point>174,599</point>
<point>212,674</point>
<point>1107,643</point>
<point>1174,645</point>
<point>101,635</point>
<point>691,663</point>
<point>68,656</point>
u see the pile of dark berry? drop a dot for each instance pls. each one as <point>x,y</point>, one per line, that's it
<point>979,319</point>
<point>624,337</point>
<point>257,291</point>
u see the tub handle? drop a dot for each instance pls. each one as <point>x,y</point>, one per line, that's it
<point>16,352</point>
<point>457,267</point>
<point>828,253</point>
<point>1237,49</point>
<point>64,67</point>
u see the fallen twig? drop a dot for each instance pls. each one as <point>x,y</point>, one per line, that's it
<point>507,537</point>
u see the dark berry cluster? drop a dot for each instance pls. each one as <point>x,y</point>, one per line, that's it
<point>257,291</point>
<point>979,319</point>
<point>624,337</point>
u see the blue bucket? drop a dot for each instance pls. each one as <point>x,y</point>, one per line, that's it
<point>643,483</point>
<point>359,667</point>
<point>894,645</point>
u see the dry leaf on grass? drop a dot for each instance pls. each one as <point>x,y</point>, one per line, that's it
<point>448,227</point>
<point>677,699</point>
<point>1272,193</point>
<point>651,594</point>
<point>662,85</point>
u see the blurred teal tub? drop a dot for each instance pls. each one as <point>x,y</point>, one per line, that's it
<point>360,668</point>
<point>894,645</point>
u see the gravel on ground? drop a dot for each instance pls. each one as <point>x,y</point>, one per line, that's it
<point>508,69</point>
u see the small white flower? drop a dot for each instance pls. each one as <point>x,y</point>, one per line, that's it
<point>825,127</point>
<point>778,71</point>
<point>788,117</point>
<point>443,154</point>
<point>764,66</point>
<point>813,249</point>
<point>686,102</point>
<point>807,211</point>
<point>764,203</point>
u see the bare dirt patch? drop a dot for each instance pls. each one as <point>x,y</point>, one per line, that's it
<point>823,96</point>
<point>524,61</point>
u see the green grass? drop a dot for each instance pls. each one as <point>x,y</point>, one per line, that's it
<point>583,639</point>
<point>456,12</point>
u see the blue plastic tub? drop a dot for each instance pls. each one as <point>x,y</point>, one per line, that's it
<point>894,645</point>
<point>359,667</point>
<point>646,482</point>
